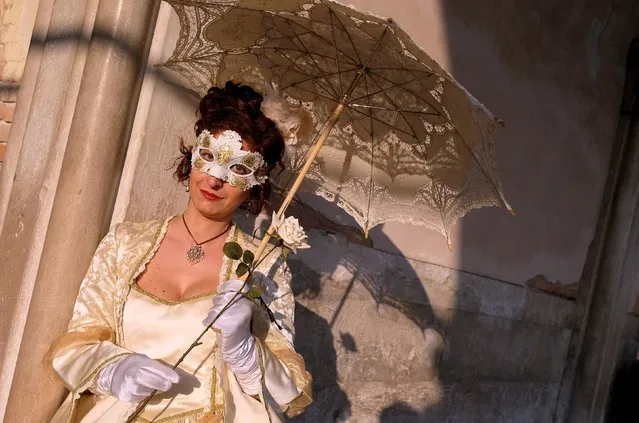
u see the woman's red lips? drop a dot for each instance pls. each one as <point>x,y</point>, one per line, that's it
<point>209,195</point>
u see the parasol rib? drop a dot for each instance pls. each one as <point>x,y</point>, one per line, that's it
<point>339,74</point>
<point>300,51</point>
<point>317,66</point>
<point>414,134</point>
<point>366,106</point>
<point>400,86</point>
<point>350,39</point>
<point>318,36</point>
<point>394,85</point>
<point>313,78</point>
<point>304,72</point>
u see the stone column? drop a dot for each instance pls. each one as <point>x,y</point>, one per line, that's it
<point>93,159</point>
<point>45,106</point>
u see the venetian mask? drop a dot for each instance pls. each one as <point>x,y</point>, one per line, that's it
<point>223,158</point>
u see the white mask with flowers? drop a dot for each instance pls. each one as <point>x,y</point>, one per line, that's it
<point>223,158</point>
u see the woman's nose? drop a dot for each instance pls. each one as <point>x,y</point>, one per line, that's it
<point>215,182</point>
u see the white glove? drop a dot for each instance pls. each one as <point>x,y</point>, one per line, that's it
<point>237,344</point>
<point>134,377</point>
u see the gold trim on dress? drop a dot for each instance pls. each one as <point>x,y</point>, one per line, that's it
<point>137,288</point>
<point>215,416</point>
<point>213,385</point>
<point>136,271</point>
<point>175,418</point>
<point>146,258</point>
<point>285,352</point>
<point>87,335</point>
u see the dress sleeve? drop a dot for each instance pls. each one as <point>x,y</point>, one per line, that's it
<point>279,297</point>
<point>77,356</point>
<point>285,375</point>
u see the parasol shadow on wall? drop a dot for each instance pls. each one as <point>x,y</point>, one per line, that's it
<point>353,327</point>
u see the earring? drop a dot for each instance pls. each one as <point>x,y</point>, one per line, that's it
<point>187,188</point>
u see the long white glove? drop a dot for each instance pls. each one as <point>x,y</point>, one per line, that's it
<point>237,344</point>
<point>134,377</point>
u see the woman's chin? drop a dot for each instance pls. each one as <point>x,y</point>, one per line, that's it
<point>213,210</point>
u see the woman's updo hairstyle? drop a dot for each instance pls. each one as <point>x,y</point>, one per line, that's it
<point>237,108</point>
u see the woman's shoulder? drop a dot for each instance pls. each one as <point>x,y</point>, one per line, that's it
<point>139,230</point>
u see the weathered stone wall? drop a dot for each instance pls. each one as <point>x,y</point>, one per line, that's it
<point>412,341</point>
<point>16,24</point>
<point>13,49</point>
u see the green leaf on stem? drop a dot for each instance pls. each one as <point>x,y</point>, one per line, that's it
<point>285,252</point>
<point>248,257</point>
<point>242,269</point>
<point>254,293</point>
<point>232,250</point>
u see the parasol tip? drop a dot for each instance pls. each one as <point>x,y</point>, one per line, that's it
<point>512,213</point>
<point>449,242</point>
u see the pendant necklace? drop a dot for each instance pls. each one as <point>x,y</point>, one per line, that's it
<point>195,254</point>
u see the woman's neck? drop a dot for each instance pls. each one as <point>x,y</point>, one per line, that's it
<point>202,226</point>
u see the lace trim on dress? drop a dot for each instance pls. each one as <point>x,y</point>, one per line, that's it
<point>137,270</point>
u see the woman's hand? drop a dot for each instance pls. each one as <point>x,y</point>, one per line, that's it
<point>135,376</point>
<point>235,322</point>
<point>237,344</point>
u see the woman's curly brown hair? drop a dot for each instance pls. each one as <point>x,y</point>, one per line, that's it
<point>238,108</point>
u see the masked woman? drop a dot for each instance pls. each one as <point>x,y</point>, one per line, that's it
<point>151,284</point>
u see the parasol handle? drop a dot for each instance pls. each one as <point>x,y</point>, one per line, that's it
<point>321,137</point>
<point>319,142</point>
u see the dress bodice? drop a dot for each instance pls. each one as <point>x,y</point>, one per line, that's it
<point>163,330</point>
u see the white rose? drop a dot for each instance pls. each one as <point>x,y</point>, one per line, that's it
<point>291,232</point>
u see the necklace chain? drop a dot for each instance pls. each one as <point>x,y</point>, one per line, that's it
<point>195,254</point>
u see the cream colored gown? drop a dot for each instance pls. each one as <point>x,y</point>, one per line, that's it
<point>113,317</point>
